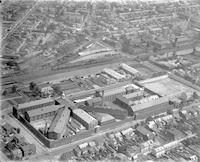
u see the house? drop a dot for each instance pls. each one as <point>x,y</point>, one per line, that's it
<point>144,133</point>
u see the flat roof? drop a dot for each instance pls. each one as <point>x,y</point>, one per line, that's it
<point>33,103</point>
<point>84,115</point>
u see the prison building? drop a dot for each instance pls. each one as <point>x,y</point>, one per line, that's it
<point>125,104</point>
<point>129,69</point>
<point>114,74</point>
<point>134,95</point>
<point>110,95</point>
<point>33,105</point>
<point>84,118</point>
<point>117,113</point>
<point>103,118</point>
<point>151,108</point>
<point>41,113</point>
<point>59,123</point>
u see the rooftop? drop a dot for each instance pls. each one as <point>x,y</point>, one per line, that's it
<point>44,110</point>
<point>84,115</point>
<point>60,120</point>
<point>34,103</point>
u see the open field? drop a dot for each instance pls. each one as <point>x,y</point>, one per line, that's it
<point>166,86</point>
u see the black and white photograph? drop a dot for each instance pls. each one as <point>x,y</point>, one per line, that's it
<point>100,80</point>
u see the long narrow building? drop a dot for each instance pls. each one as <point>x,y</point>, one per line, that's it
<point>84,118</point>
<point>129,69</point>
<point>59,123</point>
<point>114,74</point>
<point>40,113</point>
<point>34,104</point>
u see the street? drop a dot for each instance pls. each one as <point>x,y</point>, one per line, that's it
<point>40,148</point>
<point>62,149</point>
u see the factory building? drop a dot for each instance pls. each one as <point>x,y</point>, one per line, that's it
<point>114,74</point>
<point>43,112</point>
<point>84,118</point>
<point>129,69</point>
<point>33,105</point>
<point>59,123</point>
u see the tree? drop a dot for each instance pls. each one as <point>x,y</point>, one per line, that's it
<point>5,92</point>
<point>14,89</point>
<point>169,112</point>
<point>12,63</point>
<point>36,91</point>
<point>18,130</point>
<point>32,85</point>
<point>57,89</point>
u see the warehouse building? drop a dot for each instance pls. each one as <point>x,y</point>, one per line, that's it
<point>59,123</point>
<point>43,112</point>
<point>129,69</point>
<point>84,118</point>
<point>114,74</point>
<point>33,105</point>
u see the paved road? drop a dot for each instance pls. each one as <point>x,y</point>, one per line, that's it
<point>68,147</point>
<point>40,148</point>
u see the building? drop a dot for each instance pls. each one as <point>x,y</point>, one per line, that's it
<point>97,51</point>
<point>144,133</point>
<point>124,102</point>
<point>151,108</point>
<point>114,74</point>
<point>9,129</point>
<point>129,69</point>
<point>43,112</point>
<point>134,95</point>
<point>28,149</point>
<point>73,17</point>
<point>159,151</point>
<point>59,123</point>
<point>84,118</point>
<point>160,43</point>
<point>195,22</point>
<point>33,105</point>
<point>103,118</point>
